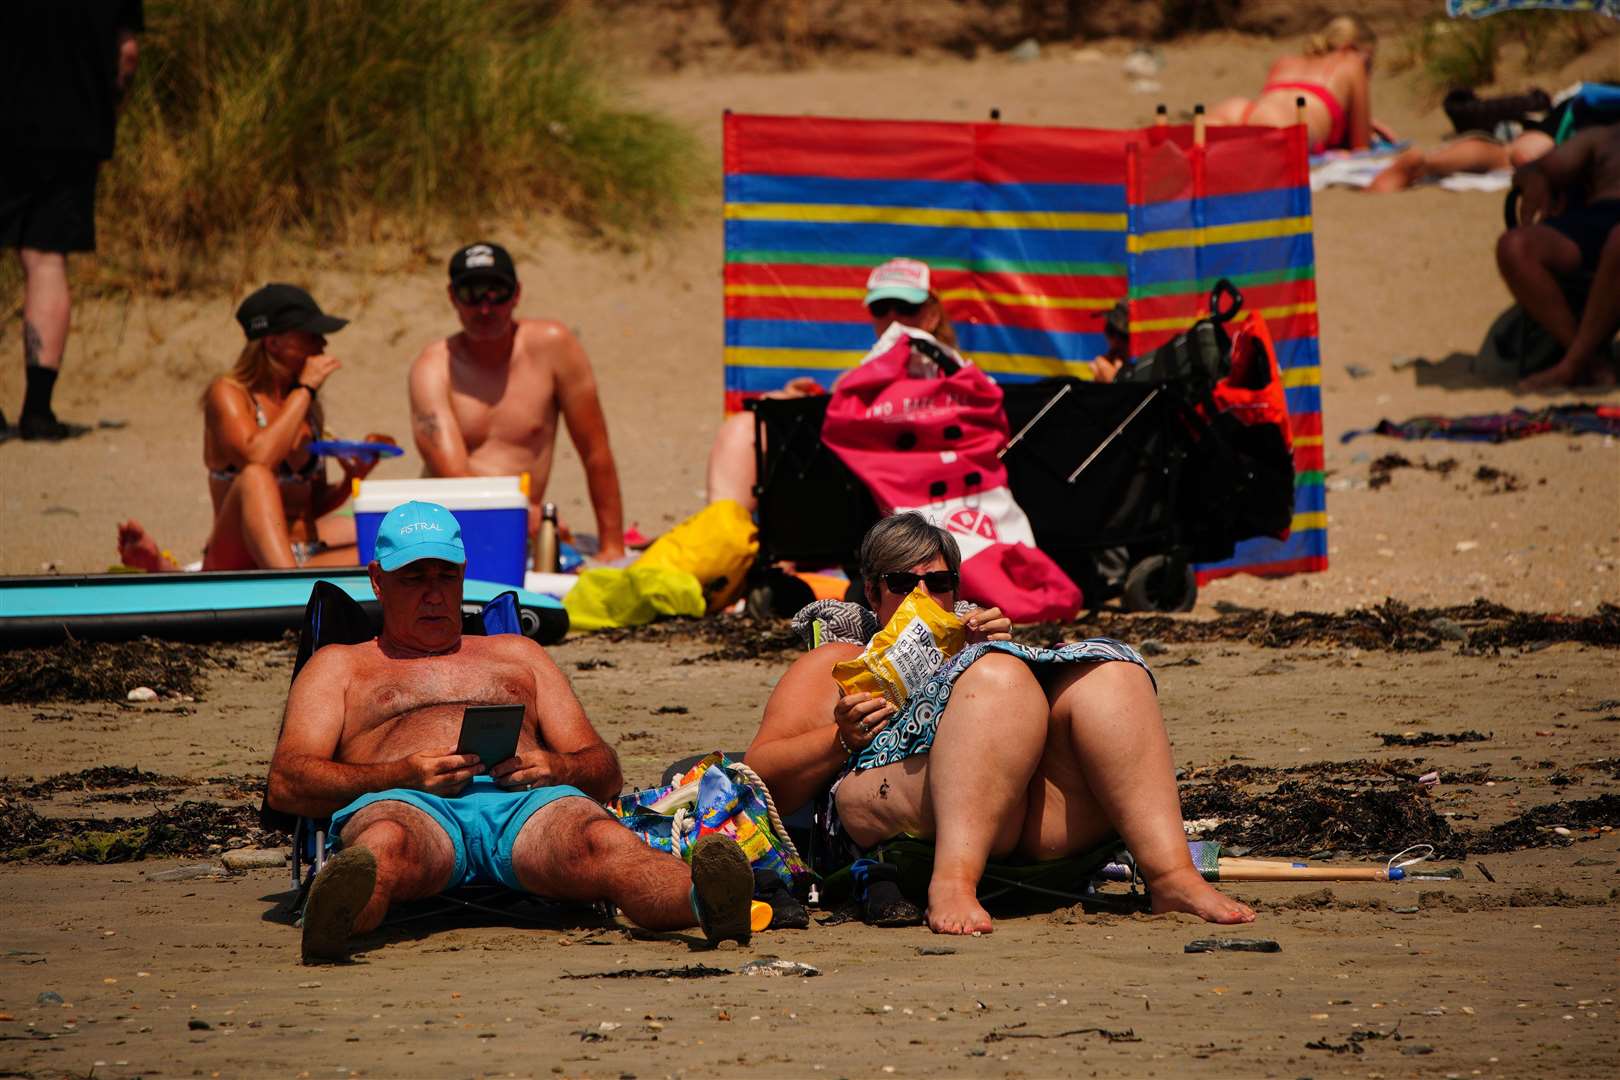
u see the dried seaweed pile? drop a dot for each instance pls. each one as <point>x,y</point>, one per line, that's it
<point>1301,818</point>
<point>99,778</point>
<point>101,671</point>
<point>1533,828</point>
<point>189,829</point>
<point>1390,626</point>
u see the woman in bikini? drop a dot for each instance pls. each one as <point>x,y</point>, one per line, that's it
<point>1005,749</point>
<point>1334,78</point>
<point>272,501</point>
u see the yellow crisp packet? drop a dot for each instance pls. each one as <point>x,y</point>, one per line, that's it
<point>921,636</point>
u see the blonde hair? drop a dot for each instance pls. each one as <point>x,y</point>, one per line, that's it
<point>945,332</point>
<point>1342,32</point>
<point>255,370</point>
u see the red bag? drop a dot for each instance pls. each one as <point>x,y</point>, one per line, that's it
<point>927,441</point>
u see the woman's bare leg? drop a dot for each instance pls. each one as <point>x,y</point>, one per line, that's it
<point>967,793</point>
<point>731,461</point>
<point>250,529</point>
<point>1107,766</point>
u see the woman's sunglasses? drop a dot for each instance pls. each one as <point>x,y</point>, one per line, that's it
<point>902,582</point>
<point>882,309</point>
<point>476,293</point>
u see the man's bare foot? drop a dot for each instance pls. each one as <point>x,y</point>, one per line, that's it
<point>1186,890</point>
<point>954,908</point>
<point>137,549</point>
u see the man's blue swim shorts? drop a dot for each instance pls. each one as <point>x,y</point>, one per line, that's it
<point>482,822</point>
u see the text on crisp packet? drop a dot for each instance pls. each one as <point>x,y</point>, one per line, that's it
<point>900,657</point>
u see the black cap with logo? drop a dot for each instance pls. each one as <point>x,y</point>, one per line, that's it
<point>278,308</point>
<point>482,261</point>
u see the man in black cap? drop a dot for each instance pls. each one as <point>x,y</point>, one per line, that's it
<point>485,402</point>
<point>64,68</point>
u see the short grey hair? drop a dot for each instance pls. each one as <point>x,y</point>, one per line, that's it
<point>902,541</point>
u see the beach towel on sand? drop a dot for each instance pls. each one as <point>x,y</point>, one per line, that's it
<point>1501,427</point>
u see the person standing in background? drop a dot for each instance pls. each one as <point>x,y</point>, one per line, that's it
<point>65,66</point>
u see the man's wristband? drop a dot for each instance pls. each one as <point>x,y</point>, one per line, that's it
<point>305,386</point>
<point>847,751</point>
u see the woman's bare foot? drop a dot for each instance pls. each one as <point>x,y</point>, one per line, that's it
<point>1186,890</point>
<point>954,908</point>
<point>138,550</point>
<point>1564,375</point>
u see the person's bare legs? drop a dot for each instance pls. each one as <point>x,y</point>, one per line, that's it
<point>47,313</point>
<point>391,851</point>
<point>1586,359</point>
<point>1107,767</point>
<point>1466,155</point>
<point>572,849</point>
<point>731,461</point>
<point>137,548</point>
<point>1532,259</point>
<point>968,793</point>
<point>250,529</point>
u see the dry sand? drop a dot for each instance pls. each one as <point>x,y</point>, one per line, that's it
<point>1494,979</point>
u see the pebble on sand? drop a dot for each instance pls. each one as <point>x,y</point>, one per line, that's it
<point>142,693</point>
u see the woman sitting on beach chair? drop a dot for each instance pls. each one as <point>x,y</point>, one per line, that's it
<point>1006,749</point>
<point>272,502</point>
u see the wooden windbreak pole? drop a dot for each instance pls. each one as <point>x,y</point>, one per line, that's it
<point>1299,111</point>
<point>1198,126</point>
<point>1161,115</point>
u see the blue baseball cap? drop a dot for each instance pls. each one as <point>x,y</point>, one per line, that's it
<point>419,530</point>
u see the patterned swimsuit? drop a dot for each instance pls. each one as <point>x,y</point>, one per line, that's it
<point>911,732</point>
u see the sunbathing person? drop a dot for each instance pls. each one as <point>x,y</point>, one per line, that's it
<point>1473,152</point>
<point>1334,78</point>
<point>1570,209</point>
<point>1042,753</point>
<point>272,502</point>
<point>369,738</point>
<point>899,291</point>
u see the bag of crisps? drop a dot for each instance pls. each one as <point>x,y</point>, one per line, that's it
<point>921,636</point>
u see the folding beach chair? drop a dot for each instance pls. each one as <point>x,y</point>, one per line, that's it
<point>332,617</point>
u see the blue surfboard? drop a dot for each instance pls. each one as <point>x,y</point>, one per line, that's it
<point>210,605</point>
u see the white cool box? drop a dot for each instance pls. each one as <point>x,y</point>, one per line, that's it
<point>493,512</point>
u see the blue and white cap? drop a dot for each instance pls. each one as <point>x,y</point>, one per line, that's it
<point>419,530</point>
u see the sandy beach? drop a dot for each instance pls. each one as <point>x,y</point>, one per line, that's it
<point>1509,970</point>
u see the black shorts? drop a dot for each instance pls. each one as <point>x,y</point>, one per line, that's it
<point>48,201</point>
<point>1589,227</point>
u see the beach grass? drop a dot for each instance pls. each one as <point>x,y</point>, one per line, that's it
<point>334,121</point>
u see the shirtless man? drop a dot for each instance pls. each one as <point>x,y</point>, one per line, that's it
<point>485,402</point>
<point>369,738</point>
<point>1536,256</point>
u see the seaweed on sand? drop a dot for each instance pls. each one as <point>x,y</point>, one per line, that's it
<point>1300,817</point>
<point>189,829</point>
<point>1391,625</point>
<point>1533,828</point>
<point>100,671</point>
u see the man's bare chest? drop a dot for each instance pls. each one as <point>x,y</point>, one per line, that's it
<point>516,406</point>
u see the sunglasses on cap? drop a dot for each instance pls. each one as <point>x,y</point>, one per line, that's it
<point>902,582</point>
<point>474,293</point>
<point>882,309</point>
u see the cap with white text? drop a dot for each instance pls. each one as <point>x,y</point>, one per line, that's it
<point>482,261</point>
<point>419,530</point>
